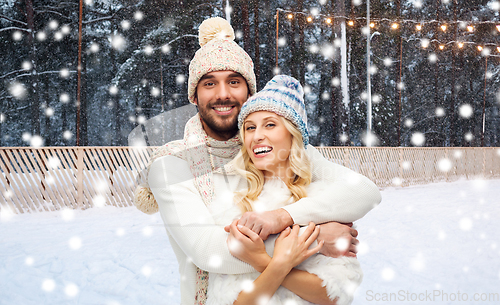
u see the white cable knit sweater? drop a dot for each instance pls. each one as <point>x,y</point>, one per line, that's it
<point>340,276</point>
<point>198,240</point>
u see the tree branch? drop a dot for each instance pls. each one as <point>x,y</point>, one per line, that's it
<point>15,28</point>
<point>13,20</point>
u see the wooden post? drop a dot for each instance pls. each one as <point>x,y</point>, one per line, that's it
<point>79,176</point>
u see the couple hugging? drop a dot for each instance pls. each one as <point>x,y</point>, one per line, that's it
<point>254,214</point>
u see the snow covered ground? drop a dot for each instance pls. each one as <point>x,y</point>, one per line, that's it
<point>437,243</point>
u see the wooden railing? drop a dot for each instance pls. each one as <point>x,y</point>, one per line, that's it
<point>52,178</point>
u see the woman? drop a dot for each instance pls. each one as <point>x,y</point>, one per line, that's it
<point>274,163</point>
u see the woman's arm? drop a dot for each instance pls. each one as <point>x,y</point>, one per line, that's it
<point>290,247</point>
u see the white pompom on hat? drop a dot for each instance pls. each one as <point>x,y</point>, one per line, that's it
<point>219,52</point>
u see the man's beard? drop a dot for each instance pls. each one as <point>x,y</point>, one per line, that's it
<point>219,125</point>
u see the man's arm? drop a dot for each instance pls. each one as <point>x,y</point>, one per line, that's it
<point>188,220</point>
<point>348,197</point>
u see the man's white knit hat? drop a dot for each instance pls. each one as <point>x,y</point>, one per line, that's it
<point>219,52</point>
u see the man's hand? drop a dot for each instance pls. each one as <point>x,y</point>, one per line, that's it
<point>265,223</point>
<point>340,239</point>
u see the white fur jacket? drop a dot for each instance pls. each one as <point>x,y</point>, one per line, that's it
<point>340,276</point>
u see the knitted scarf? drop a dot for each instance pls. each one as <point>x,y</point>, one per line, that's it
<point>204,156</point>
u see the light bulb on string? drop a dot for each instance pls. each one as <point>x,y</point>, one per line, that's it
<point>444,27</point>
<point>290,16</point>
<point>441,47</point>
<point>460,45</point>
<point>498,49</point>
<point>479,48</point>
<point>350,23</point>
<point>395,26</point>
<point>419,27</point>
<point>328,20</point>
<point>470,28</point>
<point>309,19</point>
<point>498,27</point>
<point>372,25</point>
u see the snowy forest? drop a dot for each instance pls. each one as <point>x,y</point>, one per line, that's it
<point>432,78</point>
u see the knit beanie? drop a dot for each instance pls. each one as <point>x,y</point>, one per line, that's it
<point>284,96</point>
<point>219,52</point>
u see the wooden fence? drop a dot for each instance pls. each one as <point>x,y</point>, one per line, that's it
<point>52,178</point>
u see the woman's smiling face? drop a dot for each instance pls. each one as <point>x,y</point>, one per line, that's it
<point>268,142</point>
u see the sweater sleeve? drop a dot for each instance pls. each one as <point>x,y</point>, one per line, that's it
<point>348,197</point>
<point>188,220</point>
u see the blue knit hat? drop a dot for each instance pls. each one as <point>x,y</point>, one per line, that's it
<point>284,96</point>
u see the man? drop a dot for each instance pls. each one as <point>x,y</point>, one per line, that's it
<point>221,78</point>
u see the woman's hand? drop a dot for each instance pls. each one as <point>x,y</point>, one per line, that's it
<point>290,249</point>
<point>247,246</point>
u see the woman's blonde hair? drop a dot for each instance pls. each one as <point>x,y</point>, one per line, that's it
<point>297,180</point>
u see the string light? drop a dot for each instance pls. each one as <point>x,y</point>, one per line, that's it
<point>444,27</point>
<point>328,20</point>
<point>419,27</point>
<point>395,26</point>
<point>460,45</point>
<point>498,27</point>
<point>498,49</point>
<point>470,28</point>
<point>350,23</point>
<point>309,19</point>
<point>372,25</point>
<point>479,48</point>
<point>441,47</point>
<point>290,16</point>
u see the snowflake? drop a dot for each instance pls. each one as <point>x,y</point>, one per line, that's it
<point>370,139</point>
<point>29,261</point>
<point>71,290</point>
<point>282,41</point>
<point>48,285</point>
<point>313,48</point>
<point>342,244</point>
<point>120,232</point>
<point>148,50</point>
<point>54,162</point>
<point>357,2</point>
<point>276,70</point>
<point>75,243</point>
<point>315,11</point>
<point>417,139</point>
<point>343,138</point>
<point>99,201</point>
<point>165,49</point>
<point>468,136</point>
<point>325,95</point>
<point>138,15</point>
<point>141,119</point>
<point>486,52</point>
<point>36,141</point>
<point>64,73</point>
<point>388,274</point>
<point>58,36</point>
<point>310,67</point>
<point>442,235</point>
<point>94,47</point>
<point>417,3</point>
<point>494,5</point>
<point>440,112</point>
<point>27,65</point>
<point>64,98</point>
<point>307,89</point>
<point>67,135</point>
<point>125,24</point>
<point>373,70</point>
<point>118,42</point>
<point>180,79</point>
<point>376,98</point>
<point>65,29</point>
<point>147,231</point>
<point>89,2</point>
<point>113,90</point>
<point>215,261</point>
<point>335,82</point>
<point>2,118</point>
<point>238,34</point>
<point>17,35</point>
<point>417,263</point>
<point>155,91</point>
<point>465,224</point>
<point>41,36</point>
<point>465,111</point>
<point>53,24</point>
<point>388,61</point>
<point>49,111</point>
<point>362,248</point>
<point>146,270</point>
<point>17,90</point>
<point>397,181</point>
<point>67,214</point>
<point>445,1</point>
<point>408,123</point>
<point>444,165</point>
